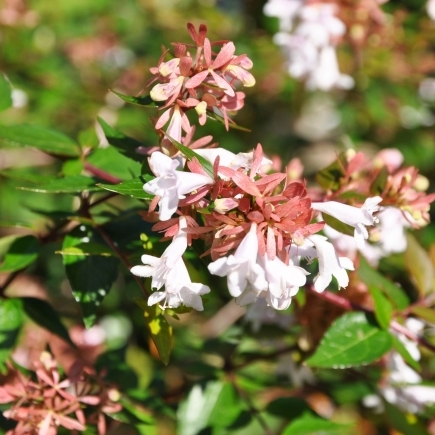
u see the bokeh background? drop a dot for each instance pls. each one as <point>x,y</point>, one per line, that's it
<point>61,60</point>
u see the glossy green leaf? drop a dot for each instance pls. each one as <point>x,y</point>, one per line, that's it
<point>26,174</point>
<point>10,322</point>
<point>338,225</point>
<point>50,141</point>
<point>310,424</point>
<point>419,265</point>
<point>141,100</point>
<point>352,340</point>
<point>124,144</point>
<point>72,167</point>
<point>404,353</point>
<point>330,177</point>
<point>5,93</point>
<point>159,329</point>
<point>217,405</point>
<point>379,183</point>
<point>70,184</point>
<point>42,313</point>
<point>190,154</point>
<point>383,307</point>
<point>87,249</point>
<point>133,188</point>
<point>90,276</point>
<point>424,313</point>
<point>373,278</point>
<point>22,252</point>
<point>111,161</point>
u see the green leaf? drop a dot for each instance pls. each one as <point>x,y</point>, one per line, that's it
<point>124,144</point>
<point>378,185</point>
<point>87,249</point>
<point>405,423</point>
<point>330,177</point>
<point>338,225</point>
<point>90,276</point>
<point>133,188</point>
<point>216,405</point>
<point>110,160</point>
<point>133,413</point>
<point>42,313</point>
<point>70,184</point>
<point>383,307</point>
<point>419,266</point>
<point>218,118</point>
<point>50,141</point>
<point>310,424</point>
<point>190,154</point>
<point>404,353</point>
<point>72,167</point>
<point>424,313</point>
<point>287,407</point>
<point>159,329</point>
<point>25,174</point>
<point>373,278</point>
<point>352,340</point>
<point>22,252</point>
<point>10,322</point>
<point>142,100</point>
<point>5,93</point>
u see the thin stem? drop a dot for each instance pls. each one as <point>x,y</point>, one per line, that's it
<point>350,306</point>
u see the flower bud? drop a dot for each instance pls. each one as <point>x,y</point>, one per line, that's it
<point>223,205</point>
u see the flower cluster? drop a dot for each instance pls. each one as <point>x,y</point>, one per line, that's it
<point>53,400</point>
<point>204,81</point>
<point>261,227</point>
<point>405,203</point>
<point>309,33</point>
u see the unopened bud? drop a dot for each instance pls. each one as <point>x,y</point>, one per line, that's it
<point>223,205</point>
<point>421,183</point>
<point>201,108</point>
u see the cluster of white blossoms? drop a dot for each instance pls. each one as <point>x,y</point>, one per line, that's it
<point>309,33</point>
<point>261,227</point>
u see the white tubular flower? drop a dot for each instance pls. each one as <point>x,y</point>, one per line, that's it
<point>283,281</point>
<point>353,216</point>
<point>171,272</point>
<point>241,269</point>
<point>171,185</point>
<point>329,264</point>
<point>229,159</point>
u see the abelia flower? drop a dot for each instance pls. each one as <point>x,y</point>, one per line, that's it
<point>283,281</point>
<point>241,268</point>
<point>330,264</point>
<point>356,217</point>
<point>171,185</point>
<point>170,271</point>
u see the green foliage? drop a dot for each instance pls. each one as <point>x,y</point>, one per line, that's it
<point>21,253</point>
<point>42,313</point>
<point>133,188</point>
<point>158,328</point>
<point>90,276</point>
<point>309,424</point>
<point>352,340</point>
<point>50,141</point>
<point>5,93</point>
<point>10,322</point>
